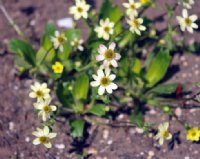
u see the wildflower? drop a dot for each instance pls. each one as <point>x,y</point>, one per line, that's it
<point>43,137</point>
<point>144,2</point>
<point>187,22</point>
<point>39,91</point>
<point>57,67</point>
<point>105,29</point>
<point>45,109</point>
<point>58,40</point>
<point>132,7</point>
<point>108,55</point>
<point>80,9</point>
<point>193,134</point>
<point>163,133</point>
<point>104,81</point>
<point>186,3</point>
<point>136,25</point>
<point>77,44</point>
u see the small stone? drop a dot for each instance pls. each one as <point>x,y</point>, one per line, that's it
<point>178,112</point>
<point>182,58</point>
<point>105,134</point>
<point>27,139</point>
<point>139,130</point>
<point>110,142</point>
<point>151,153</point>
<point>196,72</point>
<point>152,112</point>
<point>141,153</point>
<point>184,75</point>
<point>92,151</point>
<point>11,126</point>
<point>187,157</point>
<point>60,146</point>
<point>65,23</point>
<point>185,64</point>
<point>120,117</point>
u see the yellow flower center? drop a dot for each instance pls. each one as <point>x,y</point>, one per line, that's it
<point>132,6</point>
<point>105,81</point>
<point>80,9</point>
<point>188,22</point>
<point>44,139</point>
<point>135,23</point>
<point>76,43</point>
<point>165,134</point>
<point>39,93</point>
<point>61,40</point>
<point>109,54</point>
<point>47,109</point>
<point>107,29</point>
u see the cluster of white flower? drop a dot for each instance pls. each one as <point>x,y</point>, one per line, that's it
<point>104,79</point>
<point>44,109</point>
<point>134,21</point>
<point>187,22</point>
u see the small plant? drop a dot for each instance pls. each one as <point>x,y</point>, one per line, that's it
<point>89,78</point>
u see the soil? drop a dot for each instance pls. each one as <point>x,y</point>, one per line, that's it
<point>17,119</point>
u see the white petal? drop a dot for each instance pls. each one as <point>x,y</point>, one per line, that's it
<point>36,141</point>
<point>46,130</point>
<point>112,77</point>
<point>113,86</point>
<point>107,72</point>
<point>118,56</point>
<point>193,17</point>
<point>109,89</point>
<point>95,77</point>
<point>101,90</point>
<point>114,63</point>
<point>53,107</point>
<point>102,49</point>
<point>112,46</point>
<point>52,135</point>
<point>48,145</point>
<point>99,57</point>
<point>94,84</point>
<point>100,73</point>
<point>185,13</point>
<point>32,95</point>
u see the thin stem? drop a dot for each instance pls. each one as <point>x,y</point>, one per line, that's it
<point>11,21</point>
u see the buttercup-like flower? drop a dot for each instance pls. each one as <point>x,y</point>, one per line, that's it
<point>132,7</point>
<point>193,134</point>
<point>186,3</point>
<point>163,133</point>
<point>39,91</point>
<point>58,40</point>
<point>57,67</point>
<point>105,29</point>
<point>45,109</point>
<point>108,55</point>
<point>104,81</point>
<point>43,137</point>
<point>80,9</point>
<point>77,44</point>
<point>136,25</point>
<point>144,2</point>
<point>187,22</point>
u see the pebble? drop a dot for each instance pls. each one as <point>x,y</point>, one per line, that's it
<point>178,112</point>
<point>151,153</point>
<point>196,72</point>
<point>187,157</point>
<point>139,130</point>
<point>92,151</point>
<point>184,75</point>
<point>152,112</point>
<point>60,146</point>
<point>11,126</point>
<point>27,139</point>
<point>185,64</point>
<point>120,117</point>
<point>65,23</point>
<point>105,134</point>
<point>182,58</point>
<point>109,142</point>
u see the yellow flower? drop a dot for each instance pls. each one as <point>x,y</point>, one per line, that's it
<point>39,91</point>
<point>144,2</point>
<point>193,134</point>
<point>163,133</point>
<point>57,67</point>
<point>43,137</point>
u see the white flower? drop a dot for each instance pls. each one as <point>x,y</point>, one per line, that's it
<point>132,7</point>
<point>105,29</point>
<point>77,44</point>
<point>108,55</point>
<point>80,9</point>
<point>136,25</point>
<point>39,91</point>
<point>186,3</point>
<point>104,81</point>
<point>58,40</point>
<point>163,133</point>
<point>43,137</point>
<point>187,22</point>
<point>45,109</point>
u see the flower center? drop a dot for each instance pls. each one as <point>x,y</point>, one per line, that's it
<point>188,22</point>
<point>135,23</point>
<point>165,134</point>
<point>47,109</point>
<point>105,81</point>
<point>106,29</point>
<point>44,139</point>
<point>109,54</point>
<point>132,6</point>
<point>61,39</point>
<point>80,9</point>
<point>39,93</point>
<point>193,134</point>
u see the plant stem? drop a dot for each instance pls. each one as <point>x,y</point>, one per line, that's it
<point>11,21</point>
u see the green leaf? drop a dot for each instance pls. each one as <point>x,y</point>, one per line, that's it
<point>63,56</point>
<point>23,49</point>
<point>98,110</point>
<point>71,34</point>
<point>137,118</point>
<point>158,68</point>
<point>137,66</point>
<point>123,70</point>
<point>77,128</point>
<point>166,89</point>
<point>50,29</point>
<point>81,87</point>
